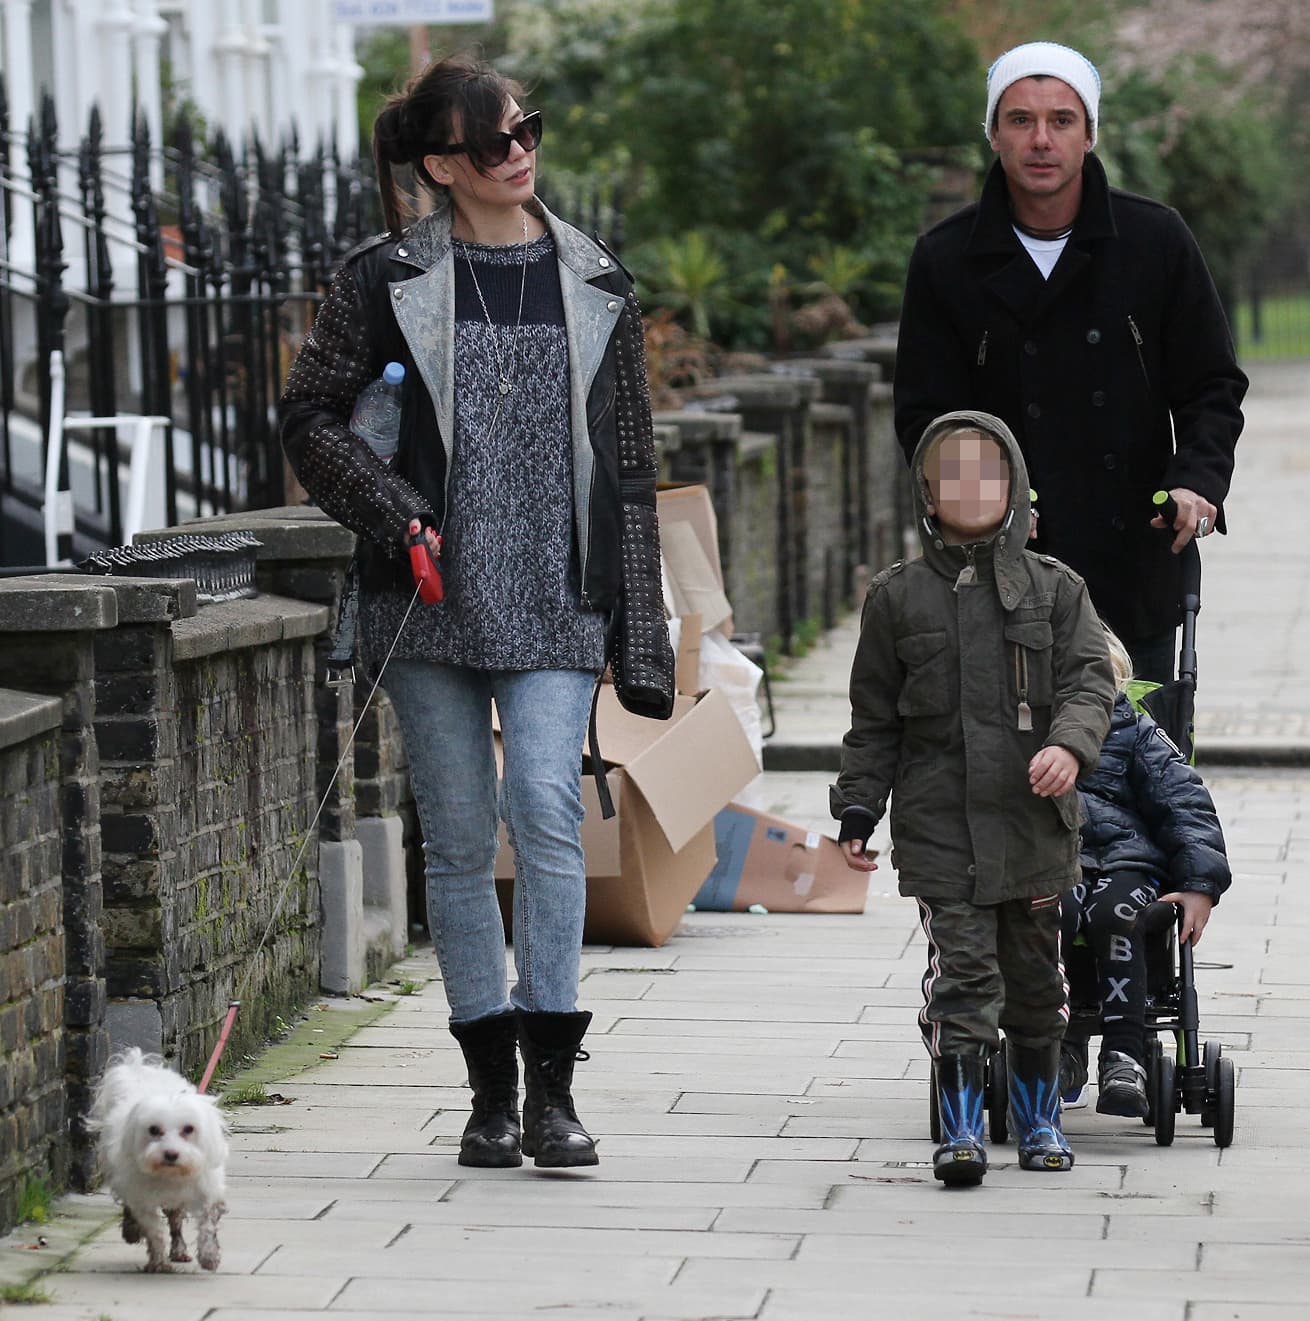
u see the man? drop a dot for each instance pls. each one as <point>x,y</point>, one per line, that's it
<point>1084,317</point>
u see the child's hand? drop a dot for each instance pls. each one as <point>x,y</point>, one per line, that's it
<point>1196,913</point>
<point>1052,771</point>
<point>857,858</point>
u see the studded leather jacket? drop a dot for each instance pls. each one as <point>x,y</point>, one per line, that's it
<point>393,300</point>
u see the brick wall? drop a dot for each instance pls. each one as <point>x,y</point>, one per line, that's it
<point>207,732</point>
<point>32,1110</point>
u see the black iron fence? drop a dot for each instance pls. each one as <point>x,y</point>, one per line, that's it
<point>190,273</point>
<point>175,281</point>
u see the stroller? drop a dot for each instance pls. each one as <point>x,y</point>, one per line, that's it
<point>1191,1077</point>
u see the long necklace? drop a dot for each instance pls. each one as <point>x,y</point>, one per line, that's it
<point>504,379</point>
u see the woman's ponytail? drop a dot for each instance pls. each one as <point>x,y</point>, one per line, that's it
<point>417,121</point>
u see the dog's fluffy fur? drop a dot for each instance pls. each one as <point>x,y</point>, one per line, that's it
<point>163,1148</point>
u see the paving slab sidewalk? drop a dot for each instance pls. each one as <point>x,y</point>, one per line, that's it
<point>1253,633</point>
<point>760,1095</point>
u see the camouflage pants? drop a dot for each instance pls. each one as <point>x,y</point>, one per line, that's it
<point>992,967</point>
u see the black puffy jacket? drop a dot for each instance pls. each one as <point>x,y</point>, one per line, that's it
<point>1148,810</point>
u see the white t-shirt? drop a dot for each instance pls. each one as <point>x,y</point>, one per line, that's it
<point>1045,252</point>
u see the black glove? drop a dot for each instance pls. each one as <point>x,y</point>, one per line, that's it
<point>857,823</point>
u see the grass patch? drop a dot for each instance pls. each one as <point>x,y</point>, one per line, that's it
<point>408,986</point>
<point>254,1093</point>
<point>326,1027</point>
<point>1284,328</point>
<point>23,1293</point>
<point>35,1200</point>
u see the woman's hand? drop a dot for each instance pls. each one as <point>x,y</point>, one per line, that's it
<point>1196,913</point>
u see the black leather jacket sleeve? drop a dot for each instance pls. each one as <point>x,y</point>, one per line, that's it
<point>642,656</point>
<point>343,475</point>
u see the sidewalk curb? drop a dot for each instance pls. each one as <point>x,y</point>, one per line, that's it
<point>1216,753</point>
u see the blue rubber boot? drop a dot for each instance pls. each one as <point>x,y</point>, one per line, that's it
<point>961,1159</point>
<point>1035,1106</point>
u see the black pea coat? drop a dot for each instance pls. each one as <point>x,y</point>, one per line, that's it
<point>1117,375</point>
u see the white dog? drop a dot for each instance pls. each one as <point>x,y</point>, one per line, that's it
<point>163,1147</point>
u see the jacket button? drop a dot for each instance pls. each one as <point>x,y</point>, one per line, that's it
<point>1093,336</point>
<point>1117,523</point>
<point>1098,398</point>
<point>973,871</point>
<point>398,294</point>
<point>402,252</point>
<point>605,261</point>
<point>1030,347</point>
<point>1109,460</point>
<point>1034,410</point>
<point>612,305</point>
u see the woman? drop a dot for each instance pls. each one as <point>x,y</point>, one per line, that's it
<point>527,461</point>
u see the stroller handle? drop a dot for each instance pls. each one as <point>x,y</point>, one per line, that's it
<point>1167,508</point>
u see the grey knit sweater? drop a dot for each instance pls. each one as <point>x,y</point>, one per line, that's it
<point>509,559</point>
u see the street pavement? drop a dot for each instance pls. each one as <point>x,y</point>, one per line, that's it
<point>760,1092</point>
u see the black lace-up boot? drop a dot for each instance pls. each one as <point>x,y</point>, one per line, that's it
<point>491,1136</point>
<point>552,1134</point>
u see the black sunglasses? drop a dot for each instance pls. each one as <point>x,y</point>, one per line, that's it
<point>494,149</point>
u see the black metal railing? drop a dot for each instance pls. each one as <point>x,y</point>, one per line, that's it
<point>194,276</point>
<point>185,300</point>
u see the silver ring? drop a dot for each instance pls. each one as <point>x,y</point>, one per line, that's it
<point>1203,526</point>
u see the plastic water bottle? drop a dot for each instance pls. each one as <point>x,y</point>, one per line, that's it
<point>376,419</point>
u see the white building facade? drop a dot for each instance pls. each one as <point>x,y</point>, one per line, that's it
<point>242,63</point>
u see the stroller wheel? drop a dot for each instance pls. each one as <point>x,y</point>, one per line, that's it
<point>998,1096</point>
<point>1212,1055</point>
<point>1164,1101</point>
<point>1225,1101</point>
<point>1154,1051</point>
<point>934,1106</point>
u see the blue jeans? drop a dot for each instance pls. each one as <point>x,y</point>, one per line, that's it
<point>445,717</point>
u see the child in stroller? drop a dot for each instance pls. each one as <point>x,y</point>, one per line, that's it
<point>1150,824</point>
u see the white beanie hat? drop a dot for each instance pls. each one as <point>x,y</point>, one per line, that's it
<point>1056,61</point>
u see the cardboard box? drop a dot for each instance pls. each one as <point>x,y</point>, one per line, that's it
<point>668,779</point>
<point>766,860</point>
<point>689,548</point>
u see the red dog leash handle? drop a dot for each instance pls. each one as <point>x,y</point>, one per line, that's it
<point>427,576</point>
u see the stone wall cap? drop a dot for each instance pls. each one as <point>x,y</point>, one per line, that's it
<point>149,600</point>
<point>24,716</point>
<point>694,424</point>
<point>289,532</point>
<point>251,622</point>
<point>762,390</point>
<point>874,348</point>
<point>56,603</point>
<point>836,369</point>
<point>832,414</point>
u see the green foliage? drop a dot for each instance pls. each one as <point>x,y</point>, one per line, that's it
<point>686,273</point>
<point>1190,137</point>
<point>251,1094</point>
<point>767,130</point>
<point>35,1199</point>
<point>23,1293</point>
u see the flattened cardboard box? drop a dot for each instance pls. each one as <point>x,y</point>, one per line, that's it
<point>689,550</point>
<point>668,779</point>
<point>766,860</point>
